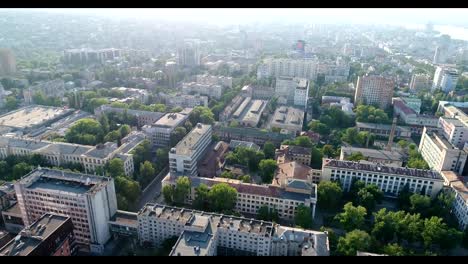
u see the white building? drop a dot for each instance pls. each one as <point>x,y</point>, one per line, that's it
<point>159,133</point>
<point>419,82</point>
<point>458,186</point>
<point>293,90</point>
<point>88,200</point>
<point>454,130</point>
<point>210,234</point>
<point>440,154</point>
<point>184,156</point>
<point>305,68</point>
<point>185,100</point>
<point>390,180</point>
<point>215,91</point>
<point>445,78</point>
<point>301,93</point>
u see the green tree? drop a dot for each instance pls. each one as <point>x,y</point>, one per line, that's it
<point>332,238</point>
<point>350,135</point>
<point>394,250</point>
<point>112,136</point>
<point>162,158</point>
<point>129,188</point>
<point>182,189</point>
<point>85,131</point>
<point>104,121</point>
<point>356,240</point>
<point>20,169</point>
<point>227,175</point>
<point>316,160</point>
<point>403,199</point>
<point>142,153</point>
<point>168,194</point>
<point>328,151</point>
<point>202,114</point>
<point>329,195</point>
<point>124,130</point>
<point>420,204</point>
<point>403,143</point>
<point>178,134</point>
<point>159,108</point>
<point>245,178</point>
<point>356,156</point>
<point>319,127</point>
<point>352,217</point>
<point>201,200</point>
<point>115,167</point>
<point>269,150</point>
<point>147,172</point>
<point>11,103</point>
<point>222,197</point>
<point>303,217</point>
<point>263,213</point>
<point>369,196</point>
<point>267,169</point>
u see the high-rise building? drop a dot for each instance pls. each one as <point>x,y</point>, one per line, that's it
<point>50,235</point>
<point>7,62</point>
<point>89,201</point>
<point>445,78</point>
<point>454,130</point>
<point>85,56</point>
<point>183,158</point>
<point>160,132</point>
<point>419,82</point>
<point>374,90</point>
<point>292,90</point>
<point>304,68</point>
<point>440,55</point>
<point>189,53</point>
<point>171,73</point>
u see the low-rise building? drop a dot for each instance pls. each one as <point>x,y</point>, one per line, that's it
<point>185,100</point>
<point>212,163</point>
<point>159,133</point>
<point>409,116</point>
<point>248,112</point>
<point>389,179</point>
<point>210,234</point>
<point>390,158</point>
<point>288,118</point>
<point>214,91</point>
<point>50,235</point>
<point>383,130</point>
<point>255,135</point>
<point>53,88</point>
<point>143,117</point>
<point>215,80</point>
<point>140,95</point>
<point>183,158</point>
<point>293,153</point>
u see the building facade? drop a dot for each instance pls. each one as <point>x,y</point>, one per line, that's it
<point>445,78</point>
<point>374,90</point>
<point>303,68</point>
<point>419,82</point>
<point>159,133</point>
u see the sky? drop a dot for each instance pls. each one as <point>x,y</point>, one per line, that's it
<point>236,16</point>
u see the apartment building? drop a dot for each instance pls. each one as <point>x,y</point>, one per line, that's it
<point>50,235</point>
<point>440,154</point>
<point>58,153</point>
<point>454,130</point>
<point>445,78</point>
<point>302,68</point>
<point>88,200</point>
<point>188,53</point>
<point>183,158</point>
<point>84,56</point>
<point>409,116</point>
<point>53,88</point>
<point>7,62</point>
<point>215,80</point>
<point>211,90</point>
<point>210,234</point>
<point>458,186</point>
<point>389,179</point>
<point>160,131</point>
<point>293,153</point>
<point>185,100</point>
<point>419,82</point>
<point>374,90</point>
<point>289,119</point>
<point>143,117</point>
<point>389,158</point>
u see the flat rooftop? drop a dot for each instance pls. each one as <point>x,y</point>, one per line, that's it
<point>289,116</point>
<point>364,167</point>
<point>125,218</point>
<point>171,120</point>
<point>31,116</point>
<point>436,136</point>
<point>40,230</point>
<point>190,141</point>
<point>381,126</point>
<point>63,181</point>
<point>373,153</point>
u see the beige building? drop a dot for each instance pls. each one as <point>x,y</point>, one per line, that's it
<point>390,180</point>
<point>159,133</point>
<point>289,119</point>
<point>376,90</point>
<point>293,153</point>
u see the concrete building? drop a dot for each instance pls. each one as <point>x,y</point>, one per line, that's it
<point>262,92</point>
<point>376,90</point>
<point>7,62</point>
<point>89,200</point>
<point>445,78</point>
<point>287,153</point>
<point>292,89</point>
<point>212,163</point>
<point>50,235</point>
<point>388,158</point>
<point>458,186</point>
<point>87,56</point>
<point>160,132</point>
<point>247,113</point>
<point>58,153</point>
<point>171,73</point>
<point>183,158</point>
<point>232,107</point>
<point>246,144</point>
<point>210,234</point>
<point>409,116</point>
<point>254,135</point>
<point>289,119</point>
<point>215,80</point>
<point>13,219</point>
<point>390,180</point>
<point>454,130</point>
<point>143,117</point>
<point>302,68</point>
<point>188,53</point>
<point>383,130</point>
<point>215,91</point>
<point>419,82</point>
<point>185,100</point>
<point>140,95</point>
<point>440,154</point>
<point>53,88</point>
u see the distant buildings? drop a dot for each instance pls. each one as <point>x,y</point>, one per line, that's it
<point>215,80</point>
<point>50,235</point>
<point>87,56</point>
<point>88,200</point>
<point>210,234</point>
<point>188,54</point>
<point>245,110</point>
<point>390,180</point>
<point>143,117</point>
<point>294,90</point>
<point>458,186</point>
<point>183,158</point>
<point>54,88</point>
<point>344,103</point>
<point>185,100</point>
<point>211,90</point>
<point>159,133</point>
<point>140,95</point>
<point>374,90</point>
<point>407,111</point>
<point>171,73</point>
<point>287,153</point>
<point>289,119</point>
<point>303,68</point>
<point>7,62</point>
<point>419,82</point>
<point>255,135</point>
<point>445,78</point>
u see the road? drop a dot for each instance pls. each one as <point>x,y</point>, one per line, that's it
<point>153,190</point>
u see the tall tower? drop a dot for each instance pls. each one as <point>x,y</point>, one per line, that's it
<point>392,135</point>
